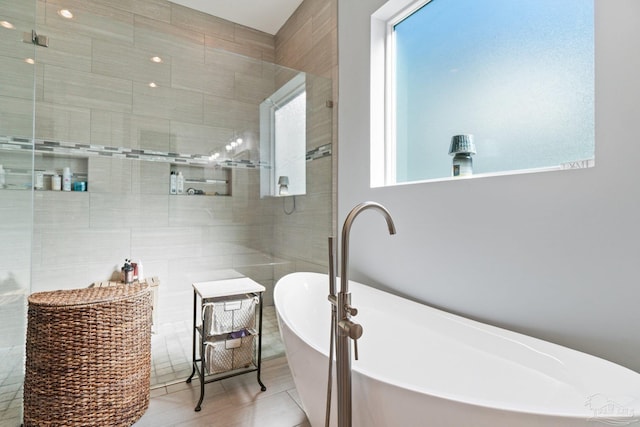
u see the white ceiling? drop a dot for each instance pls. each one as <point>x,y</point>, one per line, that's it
<point>263,15</point>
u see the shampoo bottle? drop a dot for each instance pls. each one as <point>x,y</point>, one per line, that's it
<point>172,183</point>
<point>3,182</point>
<point>180,180</point>
<point>39,181</point>
<point>56,182</point>
<point>66,179</point>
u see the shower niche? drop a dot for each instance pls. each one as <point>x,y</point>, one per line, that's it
<point>21,174</point>
<point>201,181</point>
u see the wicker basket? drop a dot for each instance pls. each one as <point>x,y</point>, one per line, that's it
<point>222,355</point>
<point>88,357</point>
<point>229,314</point>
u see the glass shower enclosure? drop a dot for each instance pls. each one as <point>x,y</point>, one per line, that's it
<point>124,97</point>
<point>17,76</point>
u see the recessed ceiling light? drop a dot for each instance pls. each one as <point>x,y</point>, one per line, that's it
<point>156,59</point>
<point>65,13</point>
<point>30,61</point>
<point>7,24</point>
<point>152,84</point>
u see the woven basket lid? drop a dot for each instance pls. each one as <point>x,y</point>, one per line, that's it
<point>84,296</point>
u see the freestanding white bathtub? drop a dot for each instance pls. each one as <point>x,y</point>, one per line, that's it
<point>420,366</point>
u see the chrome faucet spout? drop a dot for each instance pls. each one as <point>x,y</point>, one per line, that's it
<point>345,328</point>
<point>346,230</point>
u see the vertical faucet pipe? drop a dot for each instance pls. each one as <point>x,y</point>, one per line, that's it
<point>332,299</point>
<point>343,347</point>
<point>332,266</point>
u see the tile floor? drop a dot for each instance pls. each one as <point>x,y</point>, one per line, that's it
<point>235,401</point>
<point>11,360</point>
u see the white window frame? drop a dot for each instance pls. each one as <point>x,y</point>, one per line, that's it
<point>383,103</point>
<point>383,108</point>
<point>268,108</point>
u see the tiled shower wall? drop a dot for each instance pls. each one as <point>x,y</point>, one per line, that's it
<point>92,87</point>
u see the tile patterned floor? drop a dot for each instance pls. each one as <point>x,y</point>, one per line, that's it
<point>171,366</point>
<point>11,378</point>
<point>233,402</point>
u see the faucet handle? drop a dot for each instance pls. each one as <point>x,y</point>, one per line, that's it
<point>350,329</point>
<point>355,349</point>
<point>351,310</point>
<point>353,331</point>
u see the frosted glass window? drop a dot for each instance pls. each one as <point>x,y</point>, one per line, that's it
<point>517,75</point>
<point>290,147</point>
<point>283,139</point>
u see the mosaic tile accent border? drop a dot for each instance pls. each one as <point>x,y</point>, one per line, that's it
<point>85,150</point>
<point>319,152</point>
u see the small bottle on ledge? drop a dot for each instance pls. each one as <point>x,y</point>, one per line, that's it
<point>140,272</point>
<point>172,183</point>
<point>180,183</point>
<point>127,272</point>
<point>462,148</point>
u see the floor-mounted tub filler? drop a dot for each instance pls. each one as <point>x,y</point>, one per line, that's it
<point>419,366</point>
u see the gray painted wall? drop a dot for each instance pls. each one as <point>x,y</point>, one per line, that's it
<point>554,255</point>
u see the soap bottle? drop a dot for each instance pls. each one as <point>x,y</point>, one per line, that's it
<point>462,165</point>
<point>3,182</point>
<point>66,179</point>
<point>39,180</point>
<point>180,183</point>
<point>462,148</point>
<point>56,182</point>
<point>172,183</point>
<point>127,272</point>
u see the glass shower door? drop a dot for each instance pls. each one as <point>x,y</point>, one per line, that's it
<point>17,78</point>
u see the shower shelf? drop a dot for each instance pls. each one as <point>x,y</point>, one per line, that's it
<point>206,181</point>
<point>211,181</point>
<point>20,169</point>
